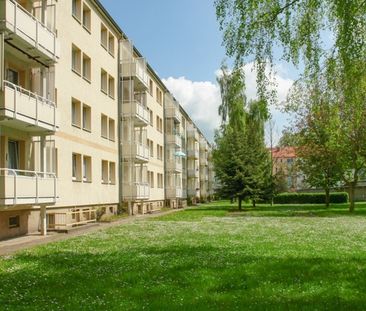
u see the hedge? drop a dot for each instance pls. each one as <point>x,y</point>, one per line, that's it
<point>310,198</point>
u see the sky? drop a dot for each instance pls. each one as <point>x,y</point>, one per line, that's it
<point>182,42</point>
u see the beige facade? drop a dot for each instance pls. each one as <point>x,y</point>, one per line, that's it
<point>86,125</point>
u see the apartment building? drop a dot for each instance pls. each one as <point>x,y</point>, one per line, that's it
<point>86,125</point>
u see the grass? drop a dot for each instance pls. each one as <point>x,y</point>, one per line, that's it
<point>207,258</point>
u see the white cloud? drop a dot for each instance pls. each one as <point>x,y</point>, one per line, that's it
<point>202,99</point>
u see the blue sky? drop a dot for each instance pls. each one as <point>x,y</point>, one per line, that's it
<point>182,42</point>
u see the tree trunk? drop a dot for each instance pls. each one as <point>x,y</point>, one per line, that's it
<point>240,200</point>
<point>327,197</point>
<point>253,202</point>
<point>231,200</point>
<point>351,197</point>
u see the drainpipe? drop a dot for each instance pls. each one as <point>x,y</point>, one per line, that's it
<point>120,159</point>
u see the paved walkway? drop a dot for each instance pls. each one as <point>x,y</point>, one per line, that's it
<point>11,246</point>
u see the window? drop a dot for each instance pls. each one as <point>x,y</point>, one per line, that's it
<point>150,144</point>
<point>76,167</point>
<point>159,124</point>
<point>104,172</point>
<point>103,36</point>
<point>13,154</point>
<point>104,81</point>
<point>12,76</point>
<point>86,18</point>
<point>111,130</point>
<point>76,60</point>
<point>75,113</point>
<point>111,87</point>
<point>160,180</point>
<point>86,67</point>
<point>151,87</point>
<point>112,173</point>
<point>87,167</point>
<point>159,96</point>
<point>76,9</point>
<point>14,221</point>
<point>151,118</point>
<point>111,44</point>
<point>159,150</point>
<point>150,178</point>
<point>104,126</point>
<point>86,118</point>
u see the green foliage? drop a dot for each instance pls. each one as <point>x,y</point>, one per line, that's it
<point>310,198</point>
<point>288,139</point>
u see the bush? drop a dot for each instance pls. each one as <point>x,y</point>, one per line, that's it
<point>310,198</point>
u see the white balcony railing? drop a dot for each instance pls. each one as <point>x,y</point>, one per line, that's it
<point>136,150</point>
<point>192,133</point>
<point>136,190</point>
<point>174,165</point>
<point>174,139</point>
<point>203,161</point>
<point>173,112</point>
<point>136,68</point>
<point>137,111</point>
<point>193,153</point>
<point>172,192</point>
<point>20,104</point>
<point>27,187</point>
<point>28,29</point>
<point>195,173</point>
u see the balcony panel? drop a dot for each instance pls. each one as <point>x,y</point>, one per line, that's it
<point>203,161</point>
<point>136,69</point>
<point>136,111</point>
<point>192,134</point>
<point>172,193</point>
<point>27,187</point>
<point>174,139</point>
<point>24,110</point>
<point>136,191</point>
<point>173,113</point>
<point>193,154</point>
<point>174,166</point>
<point>137,151</point>
<point>193,173</point>
<point>28,33</point>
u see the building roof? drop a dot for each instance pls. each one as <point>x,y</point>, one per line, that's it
<point>285,152</point>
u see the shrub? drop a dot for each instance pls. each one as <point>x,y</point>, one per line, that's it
<point>310,198</point>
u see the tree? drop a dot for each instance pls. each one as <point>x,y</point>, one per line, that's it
<point>316,129</point>
<point>288,139</point>
<point>241,161</point>
<point>252,28</point>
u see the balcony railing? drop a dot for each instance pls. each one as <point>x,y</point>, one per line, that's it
<point>29,32</point>
<point>193,173</point>
<point>173,112</point>
<point>137,111</point>
<point>136,191</point>
<point>174,166</point>
<point>192,134</point>
<point>172,192</point>
<point>27,187</point>
<point>19,104</point>
<point>203,161</point>
<point>136,68</point>
<point>136,150</point>
<point>193,154</point>
<point>174,139</point>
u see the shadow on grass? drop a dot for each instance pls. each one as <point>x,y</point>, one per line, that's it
<point>181,277</point>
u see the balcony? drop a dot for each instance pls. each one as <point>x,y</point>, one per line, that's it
<point>22,109</point>
<point>192,133</point>
<point>137,111</point>
<point>172,192</point>
<point>27,187</point>
<point>203,144</point>
<point>174,139</point>
<point>193,173</point>
<point>203,160</point>
<point>193,154</point>
<point>172,112</point>
<point>192,192</point>
<point>27,32</point>
<point>137,151</point>
<point>174,166</point>
<point>136,191</point>
<point>136,69</point>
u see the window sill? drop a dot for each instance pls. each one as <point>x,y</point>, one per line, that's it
<point>77,18</point>
<point>104,92</point>
<point>77,126</point>
<point>87,79</point>
<point>87,181</point>
<point>87,29</point>
<point>105,137</point>
<point>112,140</point>
<point>87,130</point>
<point>111,54</point>
<point>76,180</point>
<point>76,72</point>
<point>112,97</point>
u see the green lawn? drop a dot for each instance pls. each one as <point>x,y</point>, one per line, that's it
<point>207,258</point>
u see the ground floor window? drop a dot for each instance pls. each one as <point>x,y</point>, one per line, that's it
<point>14,221</point>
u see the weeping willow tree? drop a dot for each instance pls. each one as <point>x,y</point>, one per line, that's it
<point>255,29</point>
<point>241,160</point>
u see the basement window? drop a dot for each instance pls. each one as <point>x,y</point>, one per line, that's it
<point>14,222</point>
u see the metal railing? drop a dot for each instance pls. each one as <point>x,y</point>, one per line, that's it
<point>21,185</point>
<point>20,93</point>
<point>135,109</point>
<point>24,23</point>
<point>63,220</point>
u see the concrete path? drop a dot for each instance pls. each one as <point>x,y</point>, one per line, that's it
<point>11,246</point>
